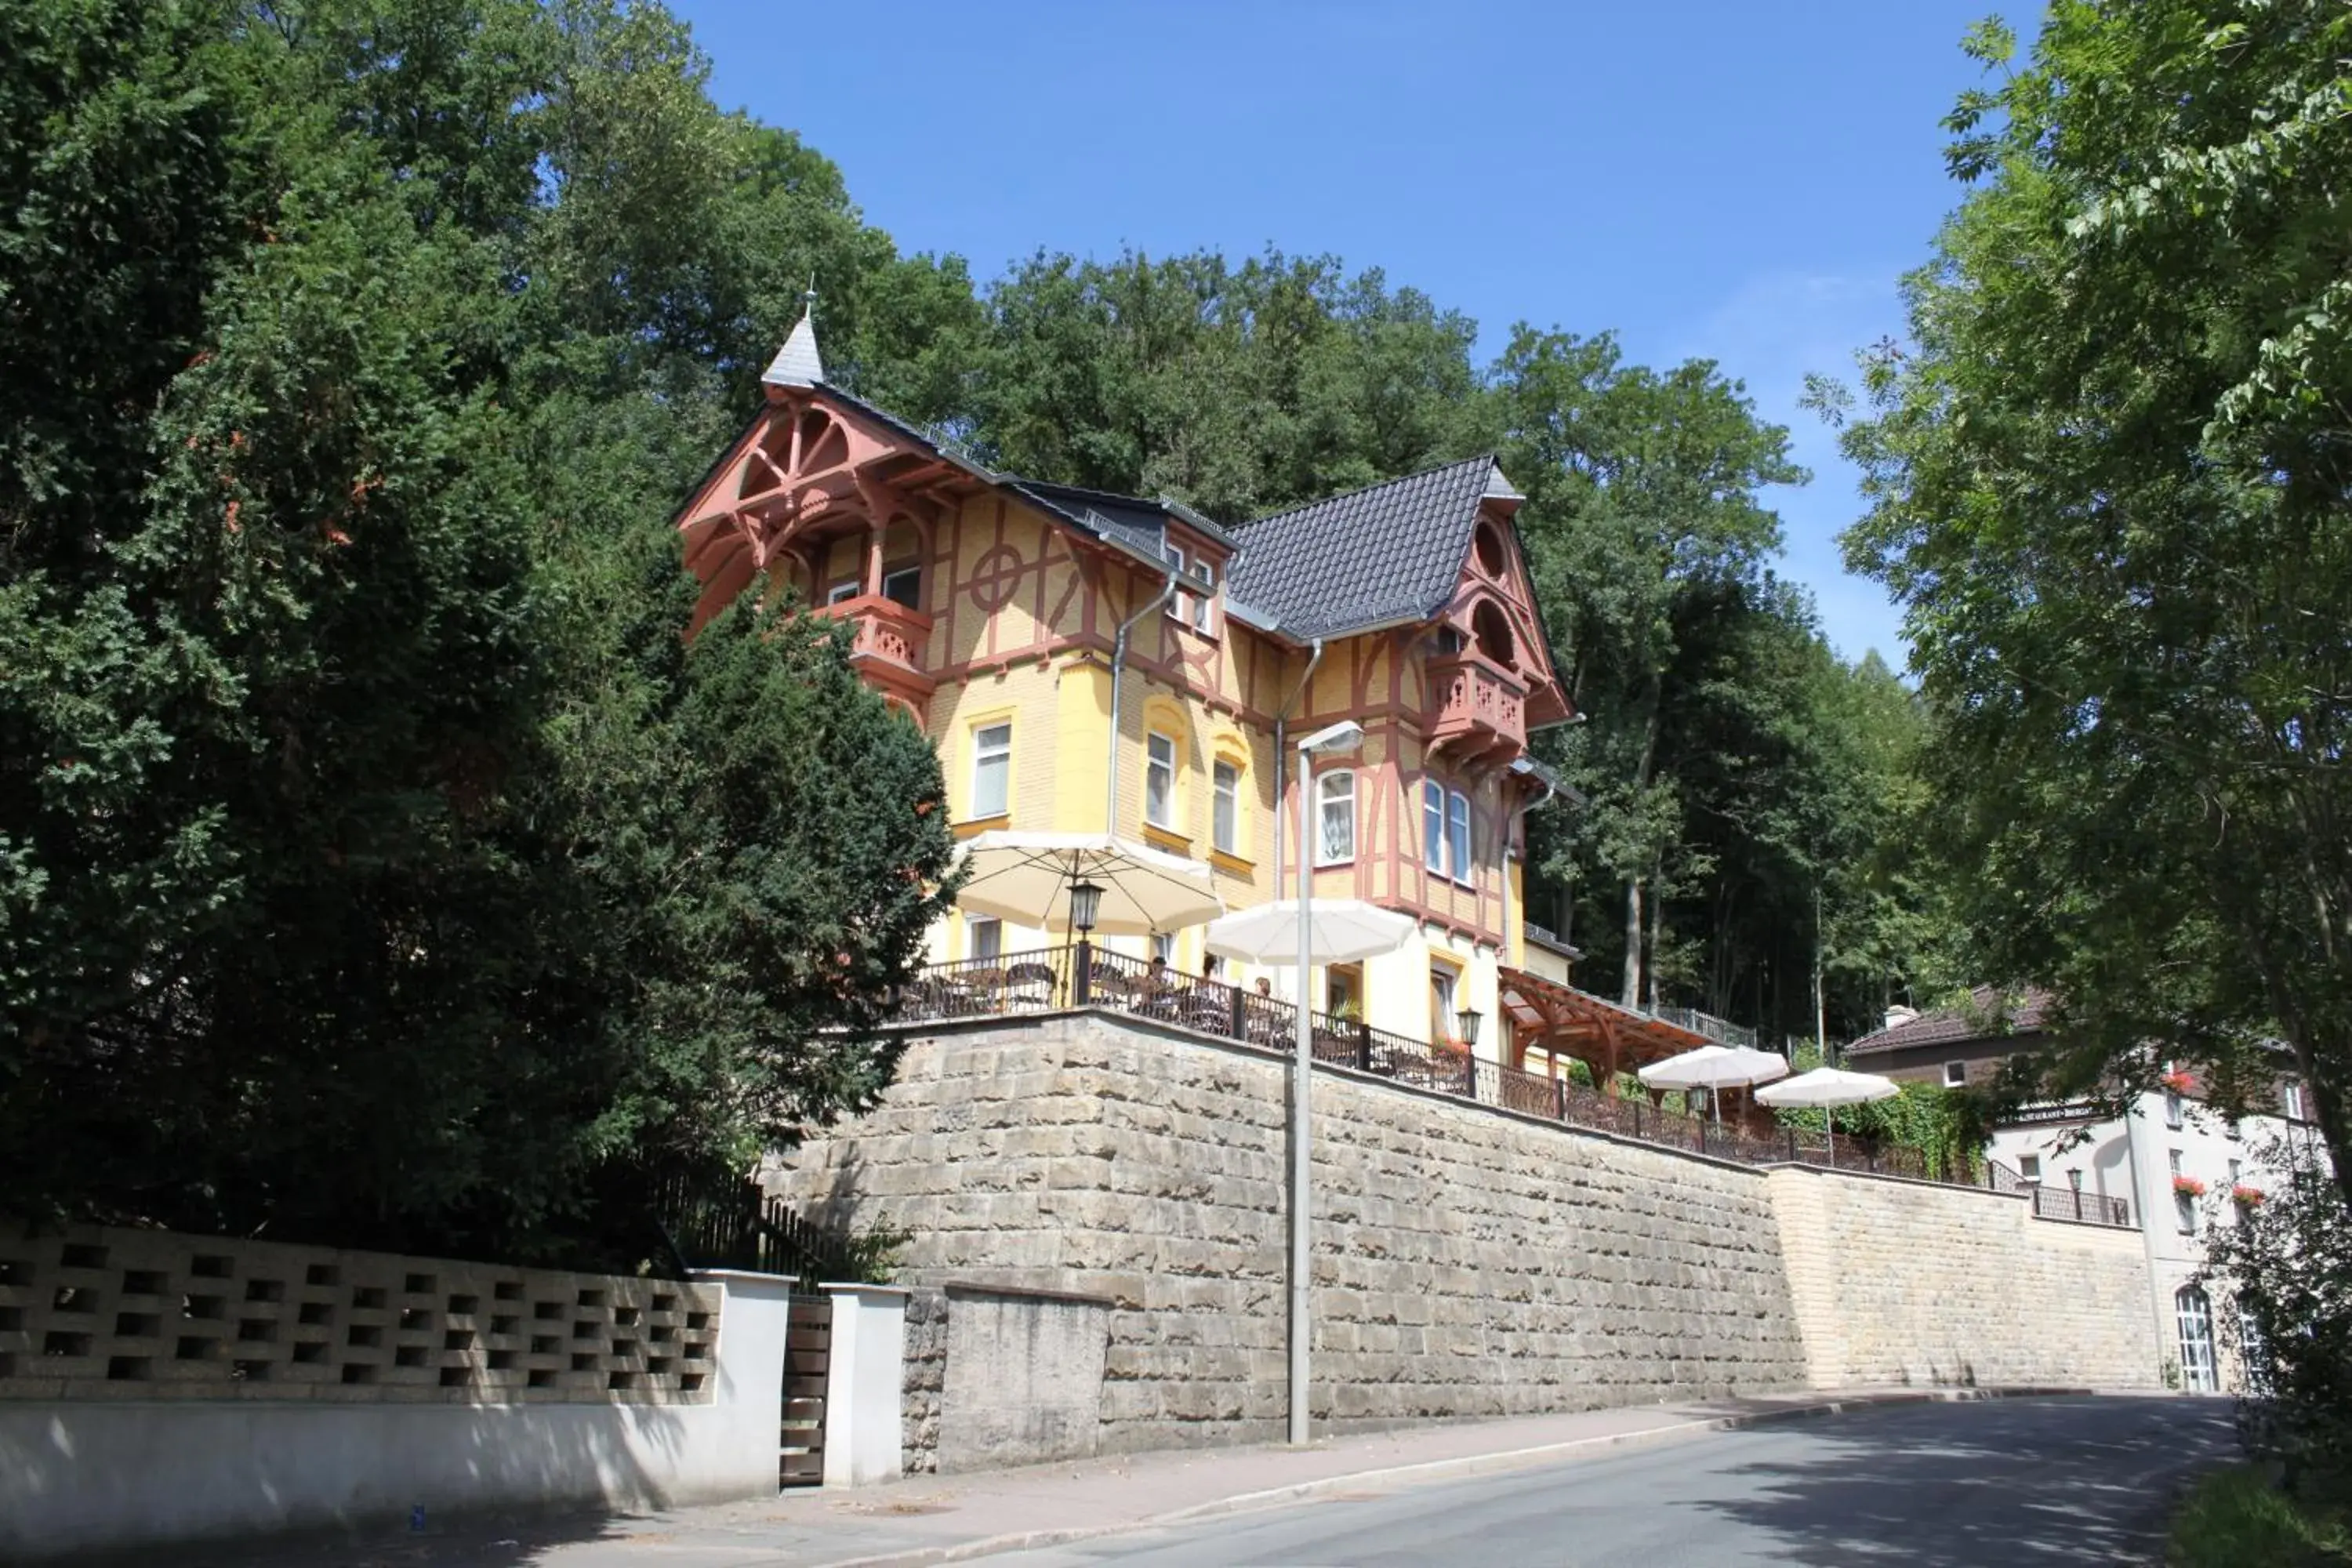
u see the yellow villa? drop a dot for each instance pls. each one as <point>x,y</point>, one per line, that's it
<point>1095,663</point>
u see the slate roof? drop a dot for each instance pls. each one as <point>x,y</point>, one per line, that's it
<point>1956,1024</point>
<point>1384,553</point>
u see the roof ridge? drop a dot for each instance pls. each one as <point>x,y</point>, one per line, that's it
<point>1487,458</point>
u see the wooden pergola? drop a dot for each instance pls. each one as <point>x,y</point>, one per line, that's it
<point>1564,1023</point>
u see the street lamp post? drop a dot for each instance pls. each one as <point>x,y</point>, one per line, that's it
<point>1336,740</point>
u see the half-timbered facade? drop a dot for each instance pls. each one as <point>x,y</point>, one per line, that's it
<point>1088,662</point>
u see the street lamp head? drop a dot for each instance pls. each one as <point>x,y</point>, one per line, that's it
<point>1346,735</point>
<point>1085,904</point>
<point>1467,1021</point>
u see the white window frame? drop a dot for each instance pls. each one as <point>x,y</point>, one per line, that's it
<point>1326,798</point>
<point>847,589</point>
<point>2029,1168</point>
<point>1225,807</point>
<point>983,933</point>
<point>1160,769</point>
<point>1179,604</point>
<point>1432,827</point>
<point>985,751</point>
<point>1458,840</point>
<point>1956,1075</point>
<point>2294,1100</point>
<point>2184,1212</point>
<point>1203,618</point>
<point>1162,945</point>
<point>1445,996</point>
<point>2172,1108</point>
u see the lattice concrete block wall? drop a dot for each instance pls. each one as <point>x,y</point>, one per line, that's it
<point>108,1313</point>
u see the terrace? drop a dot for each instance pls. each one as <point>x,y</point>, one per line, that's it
<point>1049,980</point>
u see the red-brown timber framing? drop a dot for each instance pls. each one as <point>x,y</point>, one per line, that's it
<point>1547,1016</point>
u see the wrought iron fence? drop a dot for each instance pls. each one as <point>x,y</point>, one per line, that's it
<point>2081,1207</point>
<point>1054,978</point>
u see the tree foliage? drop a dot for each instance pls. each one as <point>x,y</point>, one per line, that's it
<point>373,852</point>
<point>2108,479</point>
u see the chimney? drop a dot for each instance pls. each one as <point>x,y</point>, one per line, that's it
<point>1899,1014</point>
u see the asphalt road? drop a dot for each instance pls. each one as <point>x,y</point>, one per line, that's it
<point>1991,1485</point>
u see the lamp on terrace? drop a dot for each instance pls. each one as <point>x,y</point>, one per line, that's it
<point>1465,1025</point>
<point>1085,904</point>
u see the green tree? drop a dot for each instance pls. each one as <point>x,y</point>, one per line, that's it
<point>2108,479</point>
<point>375,858</point>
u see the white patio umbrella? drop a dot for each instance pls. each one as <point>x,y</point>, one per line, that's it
<point>1829,1088</point>
<point>1025,879</point>
<point>1340,930</point>
<point>1712,1067</point>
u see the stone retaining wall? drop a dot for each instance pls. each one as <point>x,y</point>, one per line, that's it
<point>1469,1263</point>
<point>1906,1282</point>
<point>927,1372</point>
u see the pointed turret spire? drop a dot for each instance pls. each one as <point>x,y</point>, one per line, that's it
<point>797,363</point>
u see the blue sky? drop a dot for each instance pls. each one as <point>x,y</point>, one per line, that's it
<point>1741,182</point>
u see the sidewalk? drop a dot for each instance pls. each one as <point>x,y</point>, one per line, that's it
<point>941,1519</point>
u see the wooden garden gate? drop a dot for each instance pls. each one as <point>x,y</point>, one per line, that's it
<point>808,1353</point>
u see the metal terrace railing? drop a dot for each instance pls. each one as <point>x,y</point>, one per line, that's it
<point>1706,1024</point>
<point>1049,979</point>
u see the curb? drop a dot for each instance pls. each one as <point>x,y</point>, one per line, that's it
<point>1461,1468</point>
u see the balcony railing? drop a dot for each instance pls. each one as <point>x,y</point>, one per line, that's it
<point>1049,979</point>
<point>1706,1024</point>
<point>1477,710</point>
<point>2083,1208</point>
<point>889,644</point>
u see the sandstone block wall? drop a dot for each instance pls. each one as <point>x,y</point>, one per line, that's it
<point>1468,1263</point>
<point>927,1372</point>
<point>1903,1282</point>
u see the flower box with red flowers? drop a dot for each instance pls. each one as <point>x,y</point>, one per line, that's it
<point>2179,1082</point>
<point>2188,1186</point>
<point>2245,1196</point>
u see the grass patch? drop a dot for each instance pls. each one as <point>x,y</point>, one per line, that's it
<point>2235,1517</point>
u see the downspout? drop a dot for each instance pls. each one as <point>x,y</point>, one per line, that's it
<point>1518,819</point>
<point>1118,669</point>
<point>1281,764</point>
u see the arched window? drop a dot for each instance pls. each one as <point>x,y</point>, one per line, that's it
<point>1492,629</point>
<point>2194,1314</point>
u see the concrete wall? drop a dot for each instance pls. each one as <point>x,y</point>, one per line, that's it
<point>1024,1379</point>
<point>1468,1262</point>
<point>125,1468</point>
<point>1910,1283</point>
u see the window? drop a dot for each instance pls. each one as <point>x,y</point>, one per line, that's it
<point>1432,827</point>
<point>904,585</point>
<point>1442,982</point>
<point>1457,835</point>
<point>2172,1108</point>
<point>2184,1212</point>
<point>1163,947</point>
<point>1955,1074</point>
<point>2237,1175</point>
<point>840,590</point>
<point>2194,1313</point>
<point>984,938</point>
<point>1160,780</point>
<point>1335,796</point>
<point>1205,597</point>
<point>2173,1157</point>
<point>1178,602</point>
<point>1225,807</point>
<point>992,771</point>
<point>2029,1167</point>
<point>2294,1098</point>
<point>1343,991</point>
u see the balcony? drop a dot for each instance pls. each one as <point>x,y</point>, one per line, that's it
<point>1478,712</point>
<point>889,646</point>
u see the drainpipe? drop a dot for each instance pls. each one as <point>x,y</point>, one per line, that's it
<point>1517,818</point>
<point>1118,669</point>
<point>1281,730</point>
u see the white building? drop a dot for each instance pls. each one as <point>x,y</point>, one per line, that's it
<point>2172,1166</point>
